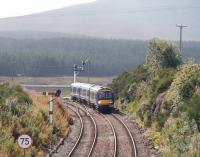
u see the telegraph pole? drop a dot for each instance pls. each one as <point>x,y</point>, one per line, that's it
<point>181,30</point>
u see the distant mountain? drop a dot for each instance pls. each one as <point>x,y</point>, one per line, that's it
<point>130,19</point>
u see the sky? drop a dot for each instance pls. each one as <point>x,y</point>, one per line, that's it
<point>12,8</point>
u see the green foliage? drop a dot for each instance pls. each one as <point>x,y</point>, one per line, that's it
<point>126,84</point>
<point>144,113</point>
<point>182,87</point>
<point>15,118</point>
<point>164,99</point>
<point>192,107</point>
<point>160,121</point>
<point>162,54</point>
<point>161,82</point>
<point>180,137</point>
<point>13,100</point>
<point>18,115</point>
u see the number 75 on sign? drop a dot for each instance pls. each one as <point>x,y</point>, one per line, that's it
<point>24,141</point>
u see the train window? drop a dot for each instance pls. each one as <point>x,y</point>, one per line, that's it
<point>88,92</point>
<point>105,95</point>
<point>74,90</point>
<point>92,95</point>
<point>79,91</point>
<point>84,92</point>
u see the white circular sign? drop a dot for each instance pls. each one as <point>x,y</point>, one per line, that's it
<point>24,141</point>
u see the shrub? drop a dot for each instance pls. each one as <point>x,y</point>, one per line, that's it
<point>192,107</point>
<point>160,121</point>
<point>161,54</point>
<point>124,85</point>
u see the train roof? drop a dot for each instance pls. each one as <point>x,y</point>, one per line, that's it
<point>88,86</point>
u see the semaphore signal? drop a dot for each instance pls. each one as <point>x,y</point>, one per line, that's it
<point>77,69</point>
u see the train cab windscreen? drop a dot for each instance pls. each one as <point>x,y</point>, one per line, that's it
<point>105,95</point>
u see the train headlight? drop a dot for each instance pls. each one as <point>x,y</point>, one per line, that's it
<point>105,102</point>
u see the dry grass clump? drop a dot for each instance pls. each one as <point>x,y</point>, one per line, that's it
<point>26,112</point>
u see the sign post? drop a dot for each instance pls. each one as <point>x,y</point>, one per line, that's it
<point>51,110</point>
<point>52,97</point>
<point>24,142</point>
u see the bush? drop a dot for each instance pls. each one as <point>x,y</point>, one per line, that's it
<point>124,86</point>
<point>192,107</point>
<point>160,121</point>
<point>162,81</point>
<point>162,54</point>
<point>23,98</point>
<point>144,112</point>
<point>147,119</point>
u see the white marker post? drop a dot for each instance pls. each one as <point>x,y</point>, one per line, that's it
<point>50,113</point>
<point>51,110</point>
<point>24,142</point>
<point>52,97</point>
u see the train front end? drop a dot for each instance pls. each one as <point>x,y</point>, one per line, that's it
<point>105,99</point>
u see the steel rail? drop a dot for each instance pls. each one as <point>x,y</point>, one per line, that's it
<point>95,134</point>
<point>95,126</point>
<point>128,130</point>
<point>81,132</point>
<point>114,135</point>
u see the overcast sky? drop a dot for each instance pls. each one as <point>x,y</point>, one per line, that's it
<point>11,8</point>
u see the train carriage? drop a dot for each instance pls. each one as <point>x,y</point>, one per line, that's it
<point>98,96</point>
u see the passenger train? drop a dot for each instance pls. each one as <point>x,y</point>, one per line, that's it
<point>99,97</point>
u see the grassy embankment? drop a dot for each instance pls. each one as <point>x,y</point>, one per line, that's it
<point>163,95</point>
<point>27,113</point>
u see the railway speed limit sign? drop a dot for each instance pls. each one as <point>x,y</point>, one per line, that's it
<point>24,141</point>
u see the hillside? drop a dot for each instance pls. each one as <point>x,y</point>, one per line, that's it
<point>27,113</point>
<point>163,96</point>
<point>127,19</point>
<point>56,56</point>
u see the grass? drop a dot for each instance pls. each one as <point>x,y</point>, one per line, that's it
<point>26,112</point>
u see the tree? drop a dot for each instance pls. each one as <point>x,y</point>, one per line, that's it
<point>162,54</point>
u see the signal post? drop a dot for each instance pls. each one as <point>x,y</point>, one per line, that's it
<point>52,96</point>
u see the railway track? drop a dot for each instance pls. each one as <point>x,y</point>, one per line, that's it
<point>117,147</point>
<point>81,131</point>
<point>78,126</point>
<point>106,140</point>
<point>99,134</point>
<point>134,150</point>
<point>124,139</point>
<point>87,138</point>
<point>114,136</point>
